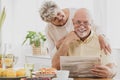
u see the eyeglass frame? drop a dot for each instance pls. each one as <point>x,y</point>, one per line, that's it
<point>79,23</point>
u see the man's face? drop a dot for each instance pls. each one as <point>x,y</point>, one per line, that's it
<point>59,18</point>
<point>82,25</point>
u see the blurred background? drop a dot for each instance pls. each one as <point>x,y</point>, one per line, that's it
<point>23,16</point>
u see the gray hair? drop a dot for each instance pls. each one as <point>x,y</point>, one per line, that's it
<point>48,10</point>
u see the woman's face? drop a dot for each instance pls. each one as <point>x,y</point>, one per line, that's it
<point>59,18</point>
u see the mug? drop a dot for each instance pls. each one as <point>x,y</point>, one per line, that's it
<point>62,74</point>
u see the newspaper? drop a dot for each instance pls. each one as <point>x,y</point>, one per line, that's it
<point>79,66</point>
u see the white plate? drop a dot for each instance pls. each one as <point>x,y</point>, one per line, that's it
<point>62,79</point>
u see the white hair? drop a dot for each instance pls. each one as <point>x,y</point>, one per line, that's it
<point>84,11</point>
<point>48,10</point>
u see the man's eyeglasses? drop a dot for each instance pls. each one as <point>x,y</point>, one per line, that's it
<point>85,23</point>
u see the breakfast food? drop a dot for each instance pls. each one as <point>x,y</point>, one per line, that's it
<point>1,71</point>
<point>46,72</point>
<point>10,72</point>
<point>20,72</point>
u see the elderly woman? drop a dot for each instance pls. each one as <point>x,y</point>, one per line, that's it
<point>60,24</point>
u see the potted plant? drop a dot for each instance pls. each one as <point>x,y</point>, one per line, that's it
<point>35,40</point>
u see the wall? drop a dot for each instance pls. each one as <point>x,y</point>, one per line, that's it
<point>113,21</point>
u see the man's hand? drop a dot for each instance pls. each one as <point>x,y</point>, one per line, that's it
<point>104,45</point>
<point>102,71</point>
<point>63,48</point>
<point>56,62</point>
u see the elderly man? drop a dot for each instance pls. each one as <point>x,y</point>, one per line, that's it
<point>84,42</point>
<point>60,24</point>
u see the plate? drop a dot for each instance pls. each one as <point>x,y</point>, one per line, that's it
<point>12,78</point>
<point>46,75</point>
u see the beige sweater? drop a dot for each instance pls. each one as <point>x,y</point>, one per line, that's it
<point>90,48</point>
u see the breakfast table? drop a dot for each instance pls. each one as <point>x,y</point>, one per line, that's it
<point>73,79</point>
<point>93,79</point>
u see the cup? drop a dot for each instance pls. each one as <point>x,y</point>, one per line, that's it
<point>29,69</point>
<point>9,61</point>
<point>62,74</point>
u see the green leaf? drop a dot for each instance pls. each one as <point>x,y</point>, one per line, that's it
<point>35,38</point>
<point>24,41</point>
<point>2,17</point>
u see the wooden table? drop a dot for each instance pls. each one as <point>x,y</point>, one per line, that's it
<point>80,79</point>
<point>92,79</point>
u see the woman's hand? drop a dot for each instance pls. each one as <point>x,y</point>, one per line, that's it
<point>104,45</point>
<point>70,38</point>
